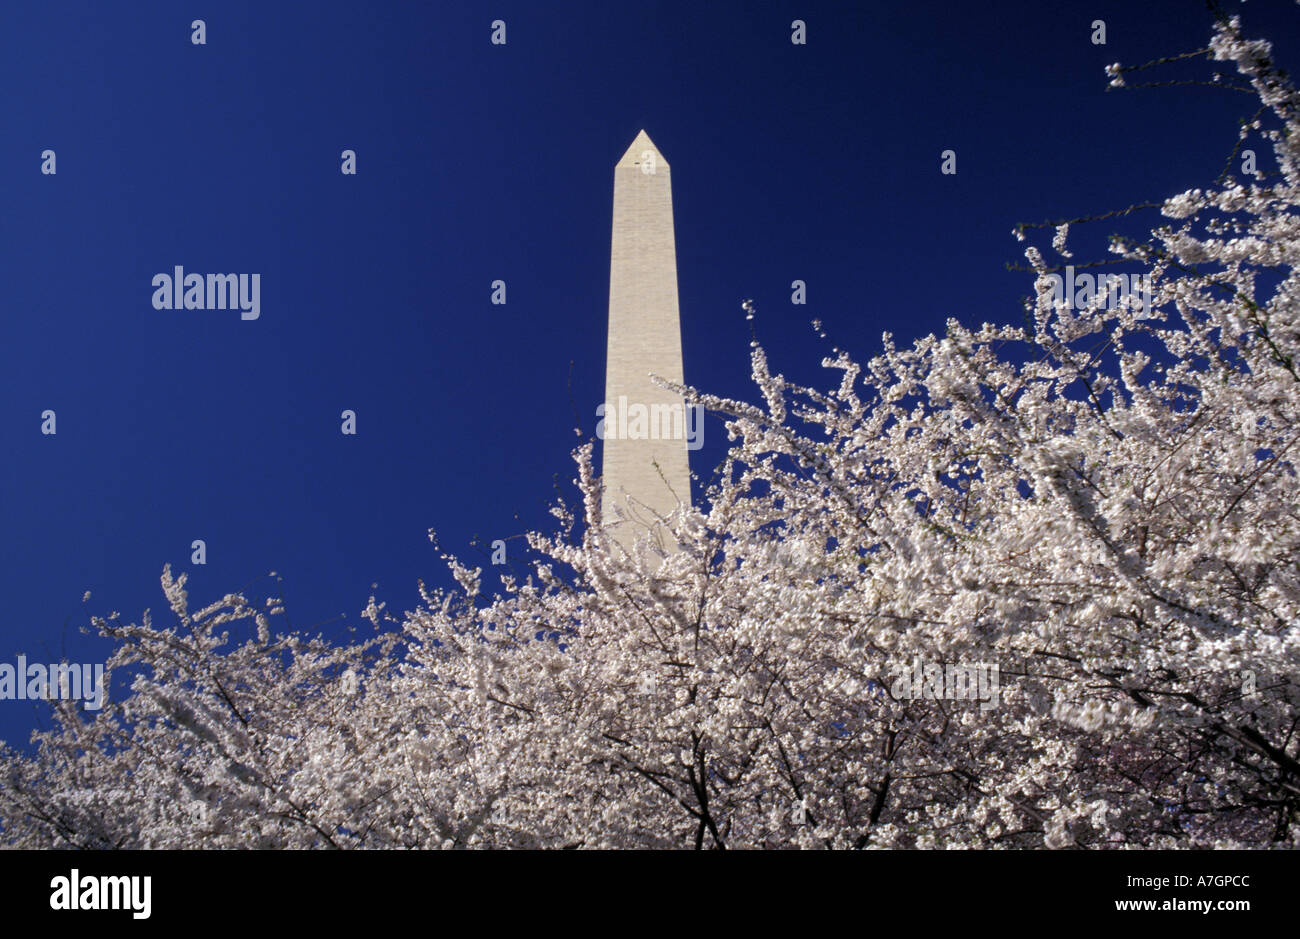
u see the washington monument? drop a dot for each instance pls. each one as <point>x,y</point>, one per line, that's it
<point>645,428</point>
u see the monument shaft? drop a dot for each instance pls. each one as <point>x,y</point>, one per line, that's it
<point>646,472</point>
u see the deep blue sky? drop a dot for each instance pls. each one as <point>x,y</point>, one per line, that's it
<point>478,162</point>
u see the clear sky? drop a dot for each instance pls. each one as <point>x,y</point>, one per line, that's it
<point>478,162</point>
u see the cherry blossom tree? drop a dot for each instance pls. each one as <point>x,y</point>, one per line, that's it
<point>1100,504</point>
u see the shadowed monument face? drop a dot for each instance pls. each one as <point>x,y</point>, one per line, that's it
<point>645,428</point>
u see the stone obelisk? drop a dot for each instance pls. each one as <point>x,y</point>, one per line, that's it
<point>646,473</point>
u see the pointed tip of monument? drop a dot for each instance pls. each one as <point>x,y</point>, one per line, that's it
<point>639,146</point>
